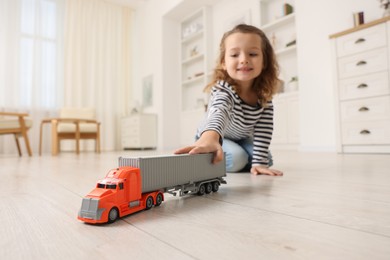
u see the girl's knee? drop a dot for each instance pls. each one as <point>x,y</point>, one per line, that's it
<point>236,161</point>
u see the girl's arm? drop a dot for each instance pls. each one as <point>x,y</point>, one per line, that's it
<point>261,141</point>
<point>212,130</point>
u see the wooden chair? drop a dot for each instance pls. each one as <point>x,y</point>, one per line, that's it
<point>72,123</point>
<point>18,125</point>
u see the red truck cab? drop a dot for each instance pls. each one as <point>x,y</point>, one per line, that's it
<point>117,195</point>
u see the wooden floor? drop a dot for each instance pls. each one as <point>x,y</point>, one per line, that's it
<point>327,206</point>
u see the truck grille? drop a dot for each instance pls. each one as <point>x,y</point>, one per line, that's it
<point>89,209</point>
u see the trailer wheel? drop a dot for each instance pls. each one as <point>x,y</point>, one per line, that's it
<point>209,188</point>
<point>202,190</point>
<point>159,199</point>
<point>113,215</point>
<point>149,203</point>
<point>215,186</point>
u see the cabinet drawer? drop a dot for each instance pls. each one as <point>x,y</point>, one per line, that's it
<point>363,40</point>
<point>371,85</point>
<point>132,130</point>
<point>374,132</point>
<point>365,109</point>
<point>131,142</point>
<point>363,63</point>
<point>131,121</point>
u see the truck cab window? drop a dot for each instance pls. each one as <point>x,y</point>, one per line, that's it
<point>111,186</point>
<point>121,186</point>
<point>100,185</point>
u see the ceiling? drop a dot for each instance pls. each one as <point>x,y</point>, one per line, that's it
<point>131,3</point>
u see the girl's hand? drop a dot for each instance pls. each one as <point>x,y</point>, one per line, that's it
<point>207,143</point>
<point>257,170</point>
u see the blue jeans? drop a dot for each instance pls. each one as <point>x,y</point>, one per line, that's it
<point>238,155</point>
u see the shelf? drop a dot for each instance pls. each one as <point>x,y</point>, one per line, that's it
<point>287,94</point>
<point>192,37</point>
<point>286,50</point>
<point>193,59</point>
<point>193,80</point>
<point>279,22</point>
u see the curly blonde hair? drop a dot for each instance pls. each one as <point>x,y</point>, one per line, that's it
<point>266,84</point>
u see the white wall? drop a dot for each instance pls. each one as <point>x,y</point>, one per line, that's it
<point>316,20</point>
<point>226,11</point>
<point>148,56</point>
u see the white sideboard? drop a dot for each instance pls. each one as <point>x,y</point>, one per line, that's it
<point>361,59</point>
<point>139,131</point>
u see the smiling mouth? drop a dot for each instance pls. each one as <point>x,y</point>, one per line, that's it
<point>245,69</point>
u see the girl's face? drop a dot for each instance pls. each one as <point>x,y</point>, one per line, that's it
<point>243,57</point>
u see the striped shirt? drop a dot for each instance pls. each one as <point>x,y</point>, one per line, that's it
<point>233,119</point>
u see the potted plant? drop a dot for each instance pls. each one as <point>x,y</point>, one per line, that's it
<point>385,4</point>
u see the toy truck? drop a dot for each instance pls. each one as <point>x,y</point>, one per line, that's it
<point>140,183</point>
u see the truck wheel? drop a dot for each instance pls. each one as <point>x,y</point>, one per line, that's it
<point>113,215</point>
<point>201,190</point>
<point>149,203</point>
<point>209,188</point>
<point>215,186</point>
<point>159,199</point>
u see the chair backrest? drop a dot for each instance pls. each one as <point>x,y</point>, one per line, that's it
<point>82,113</point>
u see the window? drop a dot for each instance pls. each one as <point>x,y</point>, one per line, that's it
<point>111,186</point>
<point>107,186</point>
<point>39,55</point>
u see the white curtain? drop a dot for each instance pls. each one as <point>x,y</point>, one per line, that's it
<point>31,64</point>
<point>97,62</point>
<point>56,53</point>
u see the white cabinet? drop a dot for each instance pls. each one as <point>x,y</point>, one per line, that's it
<point>361,59</point>
<point>139,131</point>
<point>286,121</point>
<point>195,70</point>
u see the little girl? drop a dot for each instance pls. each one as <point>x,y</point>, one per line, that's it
<point>239,118</point>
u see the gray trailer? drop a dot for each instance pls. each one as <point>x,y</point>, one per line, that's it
<point>184,173</point>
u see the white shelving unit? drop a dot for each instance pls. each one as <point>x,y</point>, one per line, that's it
<point>280,29</point>
<point>195,67</point>
<point>194,58</point>
<point>278,22</point>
